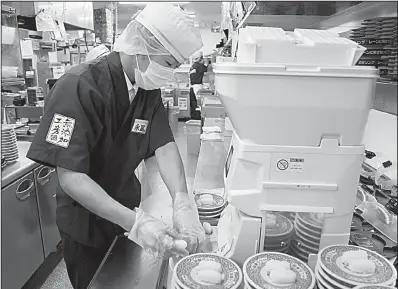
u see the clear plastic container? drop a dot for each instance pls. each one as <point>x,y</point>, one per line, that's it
<point>192,130</point>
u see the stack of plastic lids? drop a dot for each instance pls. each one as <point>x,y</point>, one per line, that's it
<point>301,47</point>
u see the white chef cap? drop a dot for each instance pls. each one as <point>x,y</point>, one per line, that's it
<point>197,56</point>
<point>169,26</point>
<point>97,51</point>
<point>136,39</point>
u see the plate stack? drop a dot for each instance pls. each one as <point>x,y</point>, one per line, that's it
<point>346,266</point>
<point>307,235</point>
<point>9,148</point>
<point>206,271</point>
<point>210,207</point>
<point>278,233</point>
<point>271,270</point>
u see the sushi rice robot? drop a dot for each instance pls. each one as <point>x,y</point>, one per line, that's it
<point>297,141</point>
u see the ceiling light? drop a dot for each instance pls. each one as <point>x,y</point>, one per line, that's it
<point>145,3</point>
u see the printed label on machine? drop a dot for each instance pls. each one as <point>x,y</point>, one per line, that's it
<point>183,103</point>
<point>290,165</point>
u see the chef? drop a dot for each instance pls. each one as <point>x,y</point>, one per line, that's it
<point>103,118</point>
<point>196,73</point>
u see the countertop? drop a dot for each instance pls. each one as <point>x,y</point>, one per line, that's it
<point>16,170</point>
<point>127,266</point>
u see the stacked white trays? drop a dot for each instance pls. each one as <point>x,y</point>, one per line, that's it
<point>9,148</point>
<point>345,266</point>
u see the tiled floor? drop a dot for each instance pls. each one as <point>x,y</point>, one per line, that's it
<point>58,279</point>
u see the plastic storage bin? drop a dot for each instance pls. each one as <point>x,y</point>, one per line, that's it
<point>296,105</point>
<point>193,131</point>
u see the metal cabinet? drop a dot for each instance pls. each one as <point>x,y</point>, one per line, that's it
<point>46,183</point>
<point>22,249</point>
<point>183,102</point>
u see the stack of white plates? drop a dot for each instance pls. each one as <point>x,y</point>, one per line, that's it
<point>9,148</point>
<point>210,207</point>
<point>334,269</point>
<point>256,272</point>
<point>307,235</point>
<point>187,271</point>
<point>279,236</point>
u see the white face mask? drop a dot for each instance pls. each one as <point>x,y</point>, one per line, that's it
<point>154,77</point>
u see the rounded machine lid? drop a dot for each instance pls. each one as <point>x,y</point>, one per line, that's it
<point>304,70</point>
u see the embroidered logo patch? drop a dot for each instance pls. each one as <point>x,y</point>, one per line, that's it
<point>139,126</point>
<point>60,131</point>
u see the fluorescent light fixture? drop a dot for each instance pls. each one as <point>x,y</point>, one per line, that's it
<point>145,3</point>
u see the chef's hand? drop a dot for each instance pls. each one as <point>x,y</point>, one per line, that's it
<point>186,221</point>
<point>155,236</point>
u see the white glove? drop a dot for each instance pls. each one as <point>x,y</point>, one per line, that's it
<point>156,237</point>
<point>186,222</point>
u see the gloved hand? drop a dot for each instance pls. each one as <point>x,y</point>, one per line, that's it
<point>186,222</point>
<point>155,237</point>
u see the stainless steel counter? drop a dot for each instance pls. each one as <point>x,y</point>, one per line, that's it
<point>16,170</point>
<point>127,266</point>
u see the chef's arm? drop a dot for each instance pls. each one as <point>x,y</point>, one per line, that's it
<point>90,195</point>
<point>171,168</point>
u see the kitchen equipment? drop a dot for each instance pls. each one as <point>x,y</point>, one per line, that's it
<point>296,147</point>
<point>46,181</point>
<point>312,47</point>
<point>21,242</point>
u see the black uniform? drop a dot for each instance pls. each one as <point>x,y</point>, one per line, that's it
<point>197,72</point>
<point>89,126</point>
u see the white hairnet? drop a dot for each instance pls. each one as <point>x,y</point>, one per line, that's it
<point>136,39</point>
<point>197,56</point>
<point>164,28</point>
<point>96,52</point>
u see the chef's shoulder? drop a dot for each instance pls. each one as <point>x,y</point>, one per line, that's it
<point>82,80</point>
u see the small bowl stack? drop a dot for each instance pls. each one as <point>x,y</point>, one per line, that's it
<point>307,235</point>
<point>9,148</point>
<point>278,233</point>
<point>269,270</point>
<point>346,266</point>
<point>206,271</point>
<point>210,207</point>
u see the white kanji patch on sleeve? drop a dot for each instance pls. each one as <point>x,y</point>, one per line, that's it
<point>61,130</point>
